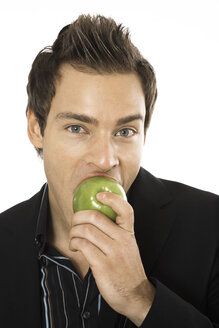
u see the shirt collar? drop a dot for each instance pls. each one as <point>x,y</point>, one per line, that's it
<point>40,236</point>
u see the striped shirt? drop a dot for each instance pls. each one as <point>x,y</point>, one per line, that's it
<point>67,300</point>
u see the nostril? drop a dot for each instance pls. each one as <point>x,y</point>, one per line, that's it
<point>103,156</point>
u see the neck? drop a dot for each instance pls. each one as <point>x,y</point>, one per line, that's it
<point>57,235</point>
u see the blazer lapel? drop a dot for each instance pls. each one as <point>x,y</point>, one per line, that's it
<point>153,219</point>
<point>27,271</point>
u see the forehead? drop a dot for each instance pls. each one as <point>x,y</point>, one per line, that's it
<point>89,92</point>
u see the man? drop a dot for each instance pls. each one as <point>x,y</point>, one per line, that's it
<point>90,101</point>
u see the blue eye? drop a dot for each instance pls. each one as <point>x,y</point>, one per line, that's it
<point>75,128</point>
<point>126,132</point>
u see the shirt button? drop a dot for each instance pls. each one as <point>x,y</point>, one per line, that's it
<point>86,315</point>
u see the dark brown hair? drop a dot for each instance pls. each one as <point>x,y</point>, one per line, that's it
<point>90,44</point>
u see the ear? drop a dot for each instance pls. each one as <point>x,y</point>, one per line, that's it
<point>33,130</point>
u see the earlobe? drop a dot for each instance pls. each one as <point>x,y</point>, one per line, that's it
<point>33,130</point>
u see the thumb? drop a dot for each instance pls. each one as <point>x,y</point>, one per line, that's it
<point>125,212</point>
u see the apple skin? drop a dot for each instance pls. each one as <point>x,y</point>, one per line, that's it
<point>85,195</point>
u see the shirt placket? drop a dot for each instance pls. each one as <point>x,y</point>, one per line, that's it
<point>85,314</point>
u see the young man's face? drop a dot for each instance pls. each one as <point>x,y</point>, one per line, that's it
<point>85,134</point>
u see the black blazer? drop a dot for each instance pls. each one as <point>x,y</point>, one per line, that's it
<point>177,230</point>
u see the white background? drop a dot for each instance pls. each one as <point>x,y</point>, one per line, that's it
<point>179,38</point>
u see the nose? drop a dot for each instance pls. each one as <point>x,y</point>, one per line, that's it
<point>103,154</point>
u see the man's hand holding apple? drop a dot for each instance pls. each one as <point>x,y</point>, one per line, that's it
<point>112,253</point>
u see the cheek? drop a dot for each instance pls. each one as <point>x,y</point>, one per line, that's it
<point>63,161</point>
<point>130,161</point>
<point>57,160</point>
<point>132,153</point>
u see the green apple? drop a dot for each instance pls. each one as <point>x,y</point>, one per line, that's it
<point>85,195</point>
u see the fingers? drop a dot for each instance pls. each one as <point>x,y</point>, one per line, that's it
<point>98,220</point>
<point>125,213</point>
<point>93,254</point>
<point>94,233</point>
<point>91,234</point>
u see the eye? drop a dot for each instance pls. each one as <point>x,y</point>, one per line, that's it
<point>75,129</point>
<point>126,132</point>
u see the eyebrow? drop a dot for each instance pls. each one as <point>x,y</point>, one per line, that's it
<point>94,121</point>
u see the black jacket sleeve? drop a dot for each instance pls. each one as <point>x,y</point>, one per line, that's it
<point>170,311</point>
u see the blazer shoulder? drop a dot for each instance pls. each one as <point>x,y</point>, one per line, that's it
<point>193,203</point>
<point>189,202</point>
<point>173,190</point>
<point>184,191</point>
<point>21,213</point>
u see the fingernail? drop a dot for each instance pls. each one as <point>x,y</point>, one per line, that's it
<point>100,196</point>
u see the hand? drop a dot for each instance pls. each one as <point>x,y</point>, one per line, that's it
<point>113,255</point>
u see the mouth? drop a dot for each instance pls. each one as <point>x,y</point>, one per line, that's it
<point>99,175</point>
<point>91,175</point>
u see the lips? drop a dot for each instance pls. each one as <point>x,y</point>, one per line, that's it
<point>98,175</point>
<point>91,175</point>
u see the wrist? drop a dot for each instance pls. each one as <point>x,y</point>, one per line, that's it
<point>142,305</point>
